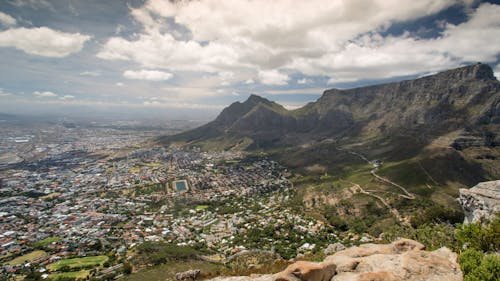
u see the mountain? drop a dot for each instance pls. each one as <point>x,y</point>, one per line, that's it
<point>465,98</point>
<point>429,137</point>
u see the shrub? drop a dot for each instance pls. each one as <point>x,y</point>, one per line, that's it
<point>127,268</point>
<point>481,237</point>
<point>477,266</point>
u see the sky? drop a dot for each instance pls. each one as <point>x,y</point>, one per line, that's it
<point>190,59</point>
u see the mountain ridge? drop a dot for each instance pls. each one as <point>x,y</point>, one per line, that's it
<point>443,102</point>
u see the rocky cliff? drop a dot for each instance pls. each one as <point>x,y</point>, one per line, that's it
<point>481,202</point>
<point>402,260</point>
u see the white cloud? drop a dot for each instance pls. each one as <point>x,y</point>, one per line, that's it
<point>4,94</point>
<point>119,84</point>
<point>306,91</point>
<point>340,39</point>
<point>292,106</point>
<point>34,4</point>
<point>151,75</point>
<point>93,73</point>
<point>46,94</point>
<point>43,41</point>
<point>6,19</point>
<point>374,57</point>
<point>496,71</point>
<point>67,97</point>
<point>304,81</point>
<point>249,81</point>
<point>273,77</point>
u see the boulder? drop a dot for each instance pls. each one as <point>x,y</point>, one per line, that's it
<point>188,275</point>
<point>307,271</point>
<point>333,248</point>
<point>481,202</point>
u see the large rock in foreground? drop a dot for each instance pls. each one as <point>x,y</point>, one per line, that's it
<point>481,202</point>
<point>402,260</point>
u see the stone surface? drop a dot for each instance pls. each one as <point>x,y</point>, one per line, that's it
<point>402,260</point>
<point>333,248</point>
<point>188,275</point>
<point>480,202</point>
<point>310,271</point>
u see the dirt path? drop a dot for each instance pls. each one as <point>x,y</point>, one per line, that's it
<point>394,211</point>
<point>407,194</point>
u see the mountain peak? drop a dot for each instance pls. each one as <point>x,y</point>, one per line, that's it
<point>255,99</point>
<point>479,71</point>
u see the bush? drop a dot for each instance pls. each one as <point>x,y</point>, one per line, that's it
<point>477,266</point>
<point>469,260</point>
<point>437,214</point>
<point>127,268</point>
<point>432,236</point>
<point>158,252</point>
<point>481,237</point>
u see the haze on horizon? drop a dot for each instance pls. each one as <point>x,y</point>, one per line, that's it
<point>189,59</point>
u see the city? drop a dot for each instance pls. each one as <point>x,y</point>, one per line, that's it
<point>108,191</point>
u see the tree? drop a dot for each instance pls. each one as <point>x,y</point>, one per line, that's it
<point>127,268</point>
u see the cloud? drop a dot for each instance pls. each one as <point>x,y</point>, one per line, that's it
<point>273,77</point>
<point>67,97</point>
<point>7,20</point>
<point>34,4</point>
<point>43,41</point>
<point>150,75</point>
<point>343,39</point>
<point>306,91</point>
<point>4,94</point>
<point>93,73</point>
<point>120,84</point>
<point>496,71</point>
<point>304,81</point>
<point>46,94</point>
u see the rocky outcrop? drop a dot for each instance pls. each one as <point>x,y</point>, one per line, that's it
<point>188,275</point>
<point>402,260</point>
<point>481,202</point>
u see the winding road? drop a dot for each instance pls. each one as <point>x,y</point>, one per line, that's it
<point>407,194</point>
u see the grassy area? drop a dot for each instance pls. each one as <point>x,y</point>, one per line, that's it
<point>78,275</point>
<point>47,241</point>
<point>135,170</point>
<point>168,270</point>
<point>28,257</point>
<point>78,262</point>
<point>201,207</point>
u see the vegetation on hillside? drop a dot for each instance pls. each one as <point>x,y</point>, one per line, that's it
<point>477,244</point>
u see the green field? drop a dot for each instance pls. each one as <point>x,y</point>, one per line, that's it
<point>47,241</point>
<point>79,275</point>
<point>28,257</point>
<point>201,207</point>
<point>78,262</point>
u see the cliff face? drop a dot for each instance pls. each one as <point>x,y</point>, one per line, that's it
<point>481,202</point>
<point>402,260</point>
